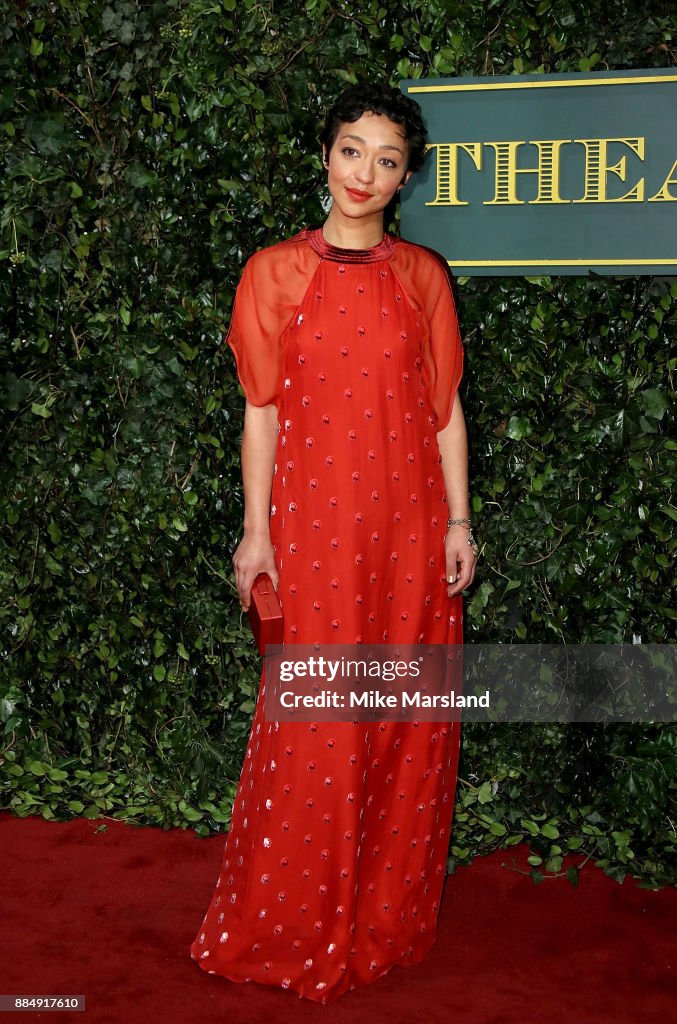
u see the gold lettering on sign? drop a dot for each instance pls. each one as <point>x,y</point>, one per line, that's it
<point>664,195</point>
<point>447,170</point>
<point>508,153</point>
<point>505,191</point>
<point>597,168</point>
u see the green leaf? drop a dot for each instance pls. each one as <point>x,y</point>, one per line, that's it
<point>54,532</point>
<point>46,131</point>
<point>518,427</point>
<point>654,403</point>
<point>484,794</point>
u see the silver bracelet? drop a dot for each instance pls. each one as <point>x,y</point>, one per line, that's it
<point>474,546</point>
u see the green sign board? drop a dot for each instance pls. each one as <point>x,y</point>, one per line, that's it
<point>548,174</point>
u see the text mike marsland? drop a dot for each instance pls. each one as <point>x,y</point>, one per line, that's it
<point>377,699</point>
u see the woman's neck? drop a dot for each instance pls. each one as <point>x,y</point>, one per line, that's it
<point>353,233</point>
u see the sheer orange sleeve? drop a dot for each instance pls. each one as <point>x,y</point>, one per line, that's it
<point>427,282</point>
<point>271,288</point>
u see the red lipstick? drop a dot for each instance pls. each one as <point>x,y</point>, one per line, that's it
<point>358,195</point>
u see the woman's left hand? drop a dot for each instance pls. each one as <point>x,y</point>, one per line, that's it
<point>460,560</point>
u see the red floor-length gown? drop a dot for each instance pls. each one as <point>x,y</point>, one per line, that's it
<point>335,860</point>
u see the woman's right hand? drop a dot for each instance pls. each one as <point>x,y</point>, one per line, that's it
<point>254,554</point>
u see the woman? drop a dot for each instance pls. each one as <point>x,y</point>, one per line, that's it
<point>354,462</point>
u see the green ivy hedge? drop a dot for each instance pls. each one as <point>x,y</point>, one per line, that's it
<point>147,150</point>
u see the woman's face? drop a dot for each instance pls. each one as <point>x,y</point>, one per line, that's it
<point>367,164</point>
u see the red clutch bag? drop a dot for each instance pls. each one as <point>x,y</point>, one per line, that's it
<point>265,613</point>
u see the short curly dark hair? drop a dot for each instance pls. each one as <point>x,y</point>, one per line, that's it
<point>379,98</point>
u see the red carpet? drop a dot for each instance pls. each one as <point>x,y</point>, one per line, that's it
<point>110,914</point>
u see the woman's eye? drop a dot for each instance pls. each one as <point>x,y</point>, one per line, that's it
<point>350,152</point>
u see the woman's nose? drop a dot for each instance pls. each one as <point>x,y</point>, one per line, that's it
<point>365,173</point>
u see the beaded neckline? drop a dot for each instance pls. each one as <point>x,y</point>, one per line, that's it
<point>327,251</point>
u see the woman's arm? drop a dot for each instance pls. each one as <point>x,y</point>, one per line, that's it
<point>453,445</point>
<point>255,552</point>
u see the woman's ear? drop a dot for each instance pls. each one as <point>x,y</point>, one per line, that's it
<point>325,158</point>
<point>404,181</point>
